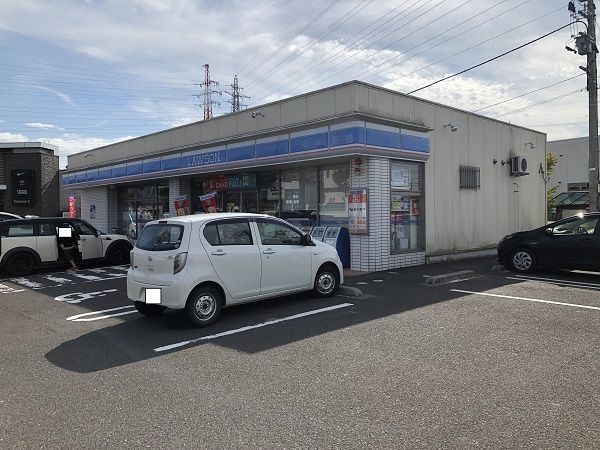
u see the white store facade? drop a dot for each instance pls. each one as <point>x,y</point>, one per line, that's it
<point>411,179</point>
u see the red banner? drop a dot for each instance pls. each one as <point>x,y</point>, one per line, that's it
<point>209,202</point>
<point>216,183</point>
<point>72,207</point>
<point>182,205</point>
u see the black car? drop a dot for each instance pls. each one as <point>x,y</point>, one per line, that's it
<point>572,243</point>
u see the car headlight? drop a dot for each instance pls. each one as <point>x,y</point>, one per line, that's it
<point>508,236</point>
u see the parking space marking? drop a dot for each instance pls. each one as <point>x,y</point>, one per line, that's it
<point>554,280</point>
<point>87,277</point>
<point>536,300</point>
<point>78,297</point>
<point>91,316</point>
<point>252,327</point>
<point>571,284</point>
<point>27,283</point>
<point>58,280</point>
<point>4,289</point>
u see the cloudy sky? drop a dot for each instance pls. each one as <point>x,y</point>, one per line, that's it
<point>81,74</point>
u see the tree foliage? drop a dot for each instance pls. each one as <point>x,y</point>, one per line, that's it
<point>551,161</point>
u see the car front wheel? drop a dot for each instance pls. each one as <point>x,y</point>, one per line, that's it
<point>119,254</point>
<point>204,306</point>
<point>327,282</point>
<point>522,260</point>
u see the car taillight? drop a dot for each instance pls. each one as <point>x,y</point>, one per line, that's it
<point>179,262</point>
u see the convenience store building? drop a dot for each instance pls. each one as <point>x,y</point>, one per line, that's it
<point>413,180</point>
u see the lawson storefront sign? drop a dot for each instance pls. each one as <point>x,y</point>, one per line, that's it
<point>394,141</point>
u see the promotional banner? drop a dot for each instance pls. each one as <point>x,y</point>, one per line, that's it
<point>23,181</point>
<point>357,211</point>
<point>182,205</point>
<point>72,207</point>
<point>209,202</point>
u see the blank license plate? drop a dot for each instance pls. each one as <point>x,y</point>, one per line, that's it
<point>153,296</point>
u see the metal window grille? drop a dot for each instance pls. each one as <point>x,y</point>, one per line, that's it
<point>469,177</point>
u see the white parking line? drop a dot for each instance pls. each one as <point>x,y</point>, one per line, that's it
<point>487,294</point>
<point>559,283</point>
<point>59,280</point>
<point>252,327</point>
<point>554,280</point>
<point>4,289</point>
<point>84,317</point>
<point>27,283</point>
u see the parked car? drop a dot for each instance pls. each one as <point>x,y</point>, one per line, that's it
<point>205,262</point>
<point>29,243</point>
<point>8,216</point>
<point>571,243</point>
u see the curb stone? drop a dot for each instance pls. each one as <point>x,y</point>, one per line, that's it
<point>446,277</point>
<point>350,291</point>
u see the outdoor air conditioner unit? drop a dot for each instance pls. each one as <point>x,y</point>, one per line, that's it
<point>518,166</point>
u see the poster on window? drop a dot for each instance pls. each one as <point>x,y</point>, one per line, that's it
<point>400,177</point>
<point>209,202</point>
<point>357,211</point>
<point>72,207</point>
<point>182,205</point>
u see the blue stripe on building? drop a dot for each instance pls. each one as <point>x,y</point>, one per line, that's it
<point>240,153</point>
<point>119,172</point>
<point>105,174</point>
<point>151,166</point>
<point>92,175</point>
<point>347,136</point>
<point>309,142</point>
<point>171,163</point>
<point>414,143</point>
<point>272,148</point>
<point>204,159</point>
<point>134,169</point>
<point>381,138</point>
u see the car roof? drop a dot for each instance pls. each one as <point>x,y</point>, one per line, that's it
<point>205,217</point>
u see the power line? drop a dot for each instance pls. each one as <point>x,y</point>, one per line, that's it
<point>489,60</point>
<point>527,93</point>
<point>576,91</point>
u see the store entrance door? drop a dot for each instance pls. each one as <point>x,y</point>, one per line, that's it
<point>250,201</point>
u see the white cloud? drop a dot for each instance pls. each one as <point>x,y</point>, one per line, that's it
<point>69,144</point>
<point>59,94</point>
<point>12,137</point>
<point>43,126</point>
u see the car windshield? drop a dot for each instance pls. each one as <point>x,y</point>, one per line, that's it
<point>160,237</point>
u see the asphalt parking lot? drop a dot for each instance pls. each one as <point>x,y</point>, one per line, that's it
<point>498,360</point>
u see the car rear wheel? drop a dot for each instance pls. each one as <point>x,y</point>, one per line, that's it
<point>149,310</point>
<point>522,260</point>
<point>204,306</point>
<point>119,254</point>
<point>20,264</point>
<point>327,282</point>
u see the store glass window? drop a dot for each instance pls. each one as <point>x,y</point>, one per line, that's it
<point>333,195</point>
<point>139,204</point>
<point>268,193</point>
<point>407,206</point>
<point>299,196</point>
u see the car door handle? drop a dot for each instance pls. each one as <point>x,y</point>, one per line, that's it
<point>221,253</point>
<point>268,252</point>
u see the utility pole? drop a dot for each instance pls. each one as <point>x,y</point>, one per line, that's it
<point>592,87</point>
<point>236,95</point>
<point>207,101</point>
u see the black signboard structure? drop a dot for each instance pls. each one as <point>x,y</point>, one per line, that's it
<point>23,187</point>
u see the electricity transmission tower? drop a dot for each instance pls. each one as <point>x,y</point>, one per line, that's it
<point>207,92</point>
<point>236,95</point>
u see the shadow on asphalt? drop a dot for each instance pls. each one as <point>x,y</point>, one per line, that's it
<point>135,339</point>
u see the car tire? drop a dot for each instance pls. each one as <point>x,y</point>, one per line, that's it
<point>149,310</point>
<point>327,282</point>
<point>204,306</point>
<point>119,254</point>
<point>20,264</point>
<point>522,260</point>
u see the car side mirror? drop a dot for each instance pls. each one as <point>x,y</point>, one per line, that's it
<point>548,232</point>
<point>306,240</point>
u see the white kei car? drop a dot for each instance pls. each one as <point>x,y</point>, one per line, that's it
<point>204,262</point>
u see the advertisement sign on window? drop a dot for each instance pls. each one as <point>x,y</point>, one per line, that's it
<point>357,211</point>
<point>209,202</point>
<point>182,205</point>
<point>400,177</point>
<point>72,207</point>
<point>23,187</point>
